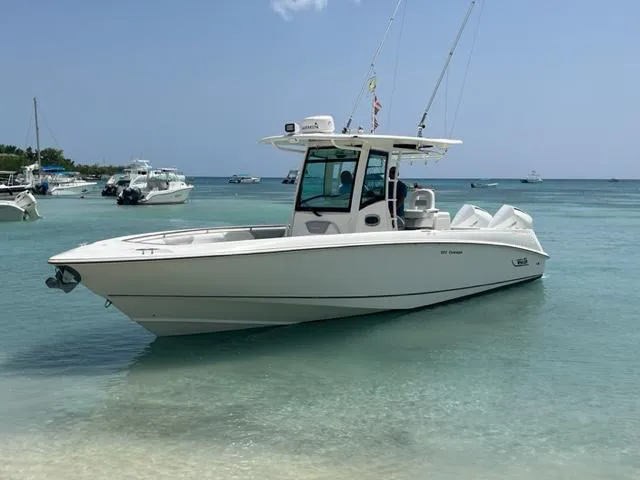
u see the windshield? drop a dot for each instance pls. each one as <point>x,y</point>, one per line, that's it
<point>327,180</point>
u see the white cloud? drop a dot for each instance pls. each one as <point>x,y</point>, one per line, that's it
<point>285,7</point>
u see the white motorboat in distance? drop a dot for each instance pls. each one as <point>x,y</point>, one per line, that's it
<point>244,178</point>
<point>292,177</point>
<point>73,188</point>
<point>158,187</point>
<point>533,177</point>
<point>346,250</point>
<point>484,184</point>
<point>9,187</point>
<point>65,184</point>
<point>119,181</point>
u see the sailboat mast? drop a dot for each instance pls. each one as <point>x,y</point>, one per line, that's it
<point>421,125</point>
<point>35,110</point>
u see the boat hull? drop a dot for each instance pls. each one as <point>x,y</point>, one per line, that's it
<point>239,291</point>
<point>9,192</point>
<point>10,212</point>
<point>165,197</point>
<point>70,191</point>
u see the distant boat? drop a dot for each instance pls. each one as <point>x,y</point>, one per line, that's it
<point>614,180</point>
<point>63,183</point>
<point>244,178</point>
<point>9,186</point>
<point>291,177</point>
<point>157,187</point>
<point>533,177</point>
<point>119,181</point>
<point>483,185</point>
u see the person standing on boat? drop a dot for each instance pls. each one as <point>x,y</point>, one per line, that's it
<point>401,190</point>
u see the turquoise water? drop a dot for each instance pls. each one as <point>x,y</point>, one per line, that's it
<point>538,381</point>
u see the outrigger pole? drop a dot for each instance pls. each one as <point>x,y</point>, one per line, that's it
<point>371,67</point>
<point>422,125</point>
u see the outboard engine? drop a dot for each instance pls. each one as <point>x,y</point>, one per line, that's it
<point>66,279</point>
<point>471,216</point>
<point>129,196</point>
<point>110,190</point>
<point>509,216</point>
<point>27,202</point>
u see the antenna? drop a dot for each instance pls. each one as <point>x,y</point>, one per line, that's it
<point>421,124</point>
<point>371,66</point>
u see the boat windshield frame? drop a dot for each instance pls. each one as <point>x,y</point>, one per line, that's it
<point>334,165</point>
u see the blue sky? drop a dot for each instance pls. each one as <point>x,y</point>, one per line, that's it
<point>552,85</point>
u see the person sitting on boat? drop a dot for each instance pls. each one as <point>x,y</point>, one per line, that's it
<point>346,180</point>
<point>401,189</point>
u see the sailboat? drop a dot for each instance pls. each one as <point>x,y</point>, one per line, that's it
<point>55,180</point>
<point>13,183</point>
<point>24,205</point>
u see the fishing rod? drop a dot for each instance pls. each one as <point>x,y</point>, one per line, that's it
<point>421,124</point>
<point>371,67</point>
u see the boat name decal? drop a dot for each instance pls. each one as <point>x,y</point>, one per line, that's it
<point>451,252</point>
<point>520,262</point>
<point>307,126</point>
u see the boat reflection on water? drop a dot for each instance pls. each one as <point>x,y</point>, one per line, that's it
<point>512,310</point>
<point>132,349</point>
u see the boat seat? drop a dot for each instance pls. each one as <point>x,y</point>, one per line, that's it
<point>422,203</point>
<point>179,240</point>
<point>423,199</point>
<point>421,212</point>
<point>234,236</point>
<point>228,236</point>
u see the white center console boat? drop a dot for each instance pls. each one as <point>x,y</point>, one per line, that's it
<point>347,249</point>
<point>159,187</point>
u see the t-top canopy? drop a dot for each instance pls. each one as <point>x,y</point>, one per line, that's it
<point>404,147</point>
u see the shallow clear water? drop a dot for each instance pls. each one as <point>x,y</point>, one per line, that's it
<point>537,381</point>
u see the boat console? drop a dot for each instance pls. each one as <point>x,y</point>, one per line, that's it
<point>346,183</point>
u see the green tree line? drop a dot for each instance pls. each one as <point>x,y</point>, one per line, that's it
<point>13,158</point>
